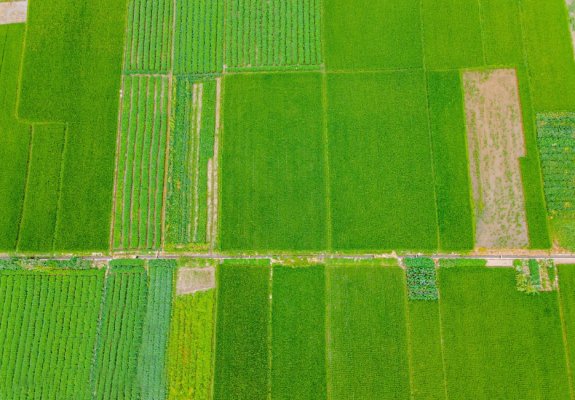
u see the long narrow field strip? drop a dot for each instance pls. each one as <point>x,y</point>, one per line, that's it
<point>152,357</point>
<point>38,224</point>
<point>425,351</point>
<point>120,334</point>
<point>556,141</point>
<point>452,183</point>
<point>242,346</point>
<point>502,32</point>
<point>372,35</point>
<point>270,34</point>
<point>191,157</point>
<point>367,335</point>
<point>567,298</point>
<point>15,137</point>
<point>199,37</point>
<point>141,160</point>
<point>273,189</point>
<point>495,143</point>
<point>452,34</point>
<point>48,326</point>
<point>298,333</point>
<point>191,346</point>
<point>149,36</point>
<point>380,163</point>
<point>505,344</point>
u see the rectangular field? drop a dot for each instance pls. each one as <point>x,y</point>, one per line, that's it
<point>38,223</point>
<point>140,166</point>
<point>506,344</point>
<point>367,334</point>
<point>298,333</point>
<point>451,164</point>
<point>273,168</point>
<point>273,34</point>
<point>372,35</point>
<point>242,333</point>
<point>452,34</point>
<point>381,171</point>
<point>14,137</point>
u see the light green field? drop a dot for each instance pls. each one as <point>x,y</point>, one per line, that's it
<point>273,191</point>
<point>381,173</point>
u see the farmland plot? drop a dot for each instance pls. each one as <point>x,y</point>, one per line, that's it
<point>15,137</point>
<point>496,142</point>
<point>298,333</point>
<point>199,37</point>
<point>506,344</point>
<point>242,360</point>
<point>556,140</point>
<point>273,165</point>
<point>367,337</point>
<point>48,326</point>
<point>141,163</point>
<point>567,300</point>
<point>275,34</point>
<point>192,186</point>
<point>380,164</point>
<point>38,223</point>
<point>149,36</point>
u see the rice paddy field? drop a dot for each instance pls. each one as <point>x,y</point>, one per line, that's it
<point>287,199</point>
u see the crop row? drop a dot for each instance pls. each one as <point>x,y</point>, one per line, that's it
<point>191,147</point>
<point>141,159</point>
<point>275,33</point>
<point>149,36</point>
<point>198,36</point>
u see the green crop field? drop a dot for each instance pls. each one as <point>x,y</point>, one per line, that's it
<point>287,199</point>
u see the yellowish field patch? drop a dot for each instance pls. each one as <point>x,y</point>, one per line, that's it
<point>192,280</point>
<point>496,142</point>
<point>13,12</point>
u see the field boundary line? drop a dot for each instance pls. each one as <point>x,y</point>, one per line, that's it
<point>564,337</point>
<point>60,185</point>
<point>215,178</point>
<point>25,195</point>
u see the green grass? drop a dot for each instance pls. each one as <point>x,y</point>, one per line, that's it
<point>505,344</point>
<point>452,34</point>
<point>71,73</point>
<point>549,55</point>
<point>43,189</point>
<point>367,333</point>
<point>372,35</point>
<point>298,333</point>
<point>190,351</point>
<point>48,326</point>
<point>120,334</point>
<point>151,375</point>
<point>426,362</point>
<point>451,166</point>
<point>14,137</point>
<point>567,297</point>
<point>272,184</point>
<point>242,333</point>
<point>502,34</point>
<point>276,34</point>
<point>382,185</point>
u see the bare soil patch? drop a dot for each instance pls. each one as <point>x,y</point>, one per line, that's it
<point>192,280</point>
<point>496,142</point>
<point>13,12</point>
